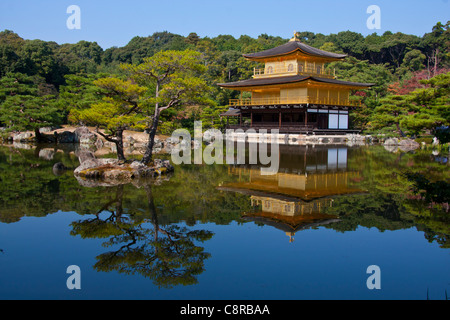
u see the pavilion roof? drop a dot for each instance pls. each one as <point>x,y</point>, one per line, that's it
<point>291,47</point>
<point>286,226</point>
<point>231,113</point>
<point>289,79</point>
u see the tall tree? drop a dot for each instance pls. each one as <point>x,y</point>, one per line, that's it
<point>174,79</point>
<point>26,104</point>
<point>120,109</point>
<point>392,110</point>
<point>80,92</point>
<point>436,46</point>
<point>431,105</point>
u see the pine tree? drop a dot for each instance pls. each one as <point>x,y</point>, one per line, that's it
<point>120,109</point>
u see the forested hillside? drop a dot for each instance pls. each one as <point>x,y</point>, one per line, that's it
<point>61,76</point>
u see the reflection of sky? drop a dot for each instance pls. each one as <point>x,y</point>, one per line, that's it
<point>325,264</point>
<point>247,262</point>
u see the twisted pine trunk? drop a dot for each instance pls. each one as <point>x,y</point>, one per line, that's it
<point>151,139</point>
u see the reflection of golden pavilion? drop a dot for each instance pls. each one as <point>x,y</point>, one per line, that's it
<point>290,215</point>
<point>290,208</point>
<point>306,186</point>
<point>297,198</point>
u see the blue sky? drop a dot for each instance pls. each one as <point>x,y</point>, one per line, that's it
<point>114,23</point>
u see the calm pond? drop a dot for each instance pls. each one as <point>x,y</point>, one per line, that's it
<point>226,231</point>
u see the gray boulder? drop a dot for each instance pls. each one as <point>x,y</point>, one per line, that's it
<point>391,142</point>
<point>79,132</point>
<point>46,153</point>
<point>23,137</point>
<point>131,140</point>
<point>83,135</point>
<point>59,168</point>
<point>21,145</point>
<point>90,139</point>
<point>159,163</point>
<point>408,145</point>
<point>46,129</point>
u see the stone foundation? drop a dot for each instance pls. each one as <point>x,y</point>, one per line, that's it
<point>299,139</point>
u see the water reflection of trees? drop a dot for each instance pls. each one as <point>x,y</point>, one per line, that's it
<point>29,188</point>
<point>167,254</point>
<point>386,175</point>
<point>389,202</point>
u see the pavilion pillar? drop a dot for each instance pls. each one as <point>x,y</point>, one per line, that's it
<point>306,117</point>
<point>279,118</point>
<point>349,123</point>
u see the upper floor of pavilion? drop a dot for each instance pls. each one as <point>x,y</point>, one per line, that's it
<point>294,58</point>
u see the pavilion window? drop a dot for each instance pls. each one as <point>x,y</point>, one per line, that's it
<point>333,121</point>
<point>290,67</point>
<point>270,69</point>
<point>319,70</point>
<point>343,121</point>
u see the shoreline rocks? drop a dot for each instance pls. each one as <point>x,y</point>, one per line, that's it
<point>86,137</point>
<point>113,170</point>
<point>405,145</point>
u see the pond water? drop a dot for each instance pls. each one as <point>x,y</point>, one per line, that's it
<point>311,231</point>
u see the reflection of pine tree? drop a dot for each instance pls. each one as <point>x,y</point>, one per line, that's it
<point>167,255</point>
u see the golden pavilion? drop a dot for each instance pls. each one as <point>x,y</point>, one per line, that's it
<point>294,92</point>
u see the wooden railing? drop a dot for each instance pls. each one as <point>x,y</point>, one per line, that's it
<point>298,100</point>
<point>300,69</point>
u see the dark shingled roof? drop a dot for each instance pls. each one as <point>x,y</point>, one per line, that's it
<point>231,113</point>
<point>292,46</point>
<point>286,227</point>
<point>289,79</point>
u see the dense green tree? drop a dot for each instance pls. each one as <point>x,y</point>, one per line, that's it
<point>436,47</point>
<point>192,38</point>
<point>350,42</point>
<point>79,91</point>
<point>173,77</point>
<point>120,109</point>
<point>25,105</point>
<point>38,59</point>
<point>391,112</point>
<point>82,57</point>
<point>25,112</point>
<point>13,84</point>
<point>211,118</point>
<point>431,105</point>
<point>352,69</point>
<point>414,60</point>
<point>10,46</point>
<point>396,46</point>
